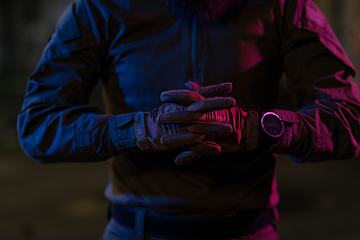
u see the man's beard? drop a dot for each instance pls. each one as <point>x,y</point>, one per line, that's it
<point>192,9</point>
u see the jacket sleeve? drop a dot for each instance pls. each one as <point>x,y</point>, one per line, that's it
<point>327,124</point>
<point>56,124</point>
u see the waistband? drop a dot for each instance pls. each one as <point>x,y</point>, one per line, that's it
<point>180,227</point>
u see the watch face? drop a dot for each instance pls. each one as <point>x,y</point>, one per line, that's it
<point>272,124</point>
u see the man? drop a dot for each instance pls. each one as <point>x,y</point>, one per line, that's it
<point>223,136</point>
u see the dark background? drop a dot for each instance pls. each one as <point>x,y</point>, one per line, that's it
<point>65,201</point>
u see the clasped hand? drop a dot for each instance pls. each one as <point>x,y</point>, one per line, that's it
<point>201,121</point>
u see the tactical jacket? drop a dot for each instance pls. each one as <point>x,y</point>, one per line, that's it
<point>137,50</point>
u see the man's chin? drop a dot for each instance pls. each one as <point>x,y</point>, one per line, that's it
<point>193,9</point>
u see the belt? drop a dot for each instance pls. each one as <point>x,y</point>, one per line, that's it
<point>180,227</point>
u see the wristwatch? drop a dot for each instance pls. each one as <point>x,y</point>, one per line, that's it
<point>272,125</point>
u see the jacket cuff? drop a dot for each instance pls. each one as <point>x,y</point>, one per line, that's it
<point>289,142</point>
<point>122,132</point>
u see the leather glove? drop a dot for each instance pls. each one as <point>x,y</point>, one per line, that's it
<point>195,93</point>
<point>189,134</point>
<point>244,125</point>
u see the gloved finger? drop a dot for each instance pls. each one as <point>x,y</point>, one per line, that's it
<point>224,129</point>
<point>212,104</point>
<point>207,148</point>
<point>182,139</point>
<point>221,116</point>
<point>197,151</point>
<point>195,134</point>
<point>210,91</point>
<point>218,117</point>
<point>180,117</point>
<point>206,128</point>
<point>184,97</point>
<point>199,123</point>
<point>186,157</point>
<point>195,93</point>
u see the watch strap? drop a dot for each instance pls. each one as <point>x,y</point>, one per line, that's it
<point>252,130</point>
